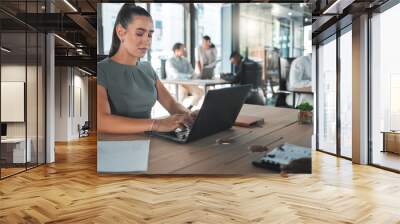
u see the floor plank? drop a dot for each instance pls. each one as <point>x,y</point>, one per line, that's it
<point>70,191</point>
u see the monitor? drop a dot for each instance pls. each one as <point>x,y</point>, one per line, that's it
<point>3,129</point>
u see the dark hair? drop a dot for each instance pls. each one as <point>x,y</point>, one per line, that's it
<point>124,17</point>
<point>206,37</point>
<point>235,54</point>
<point>177,46</point>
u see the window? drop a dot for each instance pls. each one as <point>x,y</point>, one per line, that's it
<point>346,94</point>
<point>327,96</point>
<point>385,86</point>
<point>168,30</point>
<point>209,23</point>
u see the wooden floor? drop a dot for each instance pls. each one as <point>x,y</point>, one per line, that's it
<point>70,191</point>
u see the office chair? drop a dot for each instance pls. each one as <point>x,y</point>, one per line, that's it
<point>283,92</point>
<point>251,74</point>
<point>84,130</point>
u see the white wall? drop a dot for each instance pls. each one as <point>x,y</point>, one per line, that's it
<point>70,83</point>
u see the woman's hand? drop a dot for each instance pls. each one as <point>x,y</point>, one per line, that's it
<point>170,123</point>
<point>193,114</point>
<point>190,116</point>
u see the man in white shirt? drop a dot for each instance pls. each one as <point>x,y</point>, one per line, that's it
<point>300,77</point>
<point>178,67</point>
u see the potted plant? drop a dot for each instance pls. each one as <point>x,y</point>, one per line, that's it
<point>305,113</point>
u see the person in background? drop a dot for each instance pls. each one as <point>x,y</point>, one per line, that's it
<point>178,67</point>
<point>242,77</point>
<point>300,78</point>
<point>207,58</point>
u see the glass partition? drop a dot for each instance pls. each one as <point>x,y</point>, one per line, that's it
<point>385,89</point>
<point>327,96</point>
<point>22,88</point>
<point>346,94</point>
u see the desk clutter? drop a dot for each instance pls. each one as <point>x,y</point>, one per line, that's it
<point>287,157</point>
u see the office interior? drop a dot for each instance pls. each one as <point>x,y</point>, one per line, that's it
<point>48,76</point>
<point>272,35</point>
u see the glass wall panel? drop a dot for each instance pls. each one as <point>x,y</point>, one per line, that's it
<point>168,30</point>
<point>274,35</point>
<point>31,98</point>
<point>346,94</point>
<point>41,79</point>
<point>209,17</point>
<point>22,90</point>
<point>327,96</point>
<point>14,151</point>
<point>385,89</point>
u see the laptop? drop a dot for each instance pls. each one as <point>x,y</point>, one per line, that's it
<point>218,113</point>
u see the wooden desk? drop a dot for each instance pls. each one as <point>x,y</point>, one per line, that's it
<point>194,82</point>
<point>391,141</point>
<point>305,90</point>
<point>13,150</point>
<point>204,156</point>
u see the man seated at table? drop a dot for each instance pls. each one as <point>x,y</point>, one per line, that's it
<point>178,67</point>
<point>246,71</point>
<point>300,78</point>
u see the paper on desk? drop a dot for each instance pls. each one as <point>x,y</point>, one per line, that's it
<point>122,156</point>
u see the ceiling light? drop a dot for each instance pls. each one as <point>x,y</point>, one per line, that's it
<point>64,40</point>
<point>86,72</point>
<point>290,13</point>
<point>70,5</point>
<point>5,50</point>
<point>337,7</point>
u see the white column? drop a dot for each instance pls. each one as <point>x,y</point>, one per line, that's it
<point>314,89</point>
<point>50,99</point>
<point>360,90</point>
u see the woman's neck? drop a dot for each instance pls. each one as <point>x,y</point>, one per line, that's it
<point>123,57</point>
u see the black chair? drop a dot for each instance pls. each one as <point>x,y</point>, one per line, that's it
<point>84,130</point>
<point>283,92</point>
<point>251,74</point>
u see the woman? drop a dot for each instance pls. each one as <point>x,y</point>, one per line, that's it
<point>128,89</point>
<point>207,54</point>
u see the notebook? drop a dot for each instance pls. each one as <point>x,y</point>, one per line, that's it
<point>122,156</point>
<point>248,121</point>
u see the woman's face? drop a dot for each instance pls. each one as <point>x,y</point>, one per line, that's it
<point>206,43</point>
<point>136,39</point>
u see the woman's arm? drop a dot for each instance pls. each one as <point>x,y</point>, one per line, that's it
<point>109,123</point>
<point>168,102</point>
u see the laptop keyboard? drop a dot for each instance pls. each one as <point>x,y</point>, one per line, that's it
<point>182,133</point>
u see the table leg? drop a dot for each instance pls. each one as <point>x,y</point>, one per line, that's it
<point>384,143</point>
<point>294,100</point>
